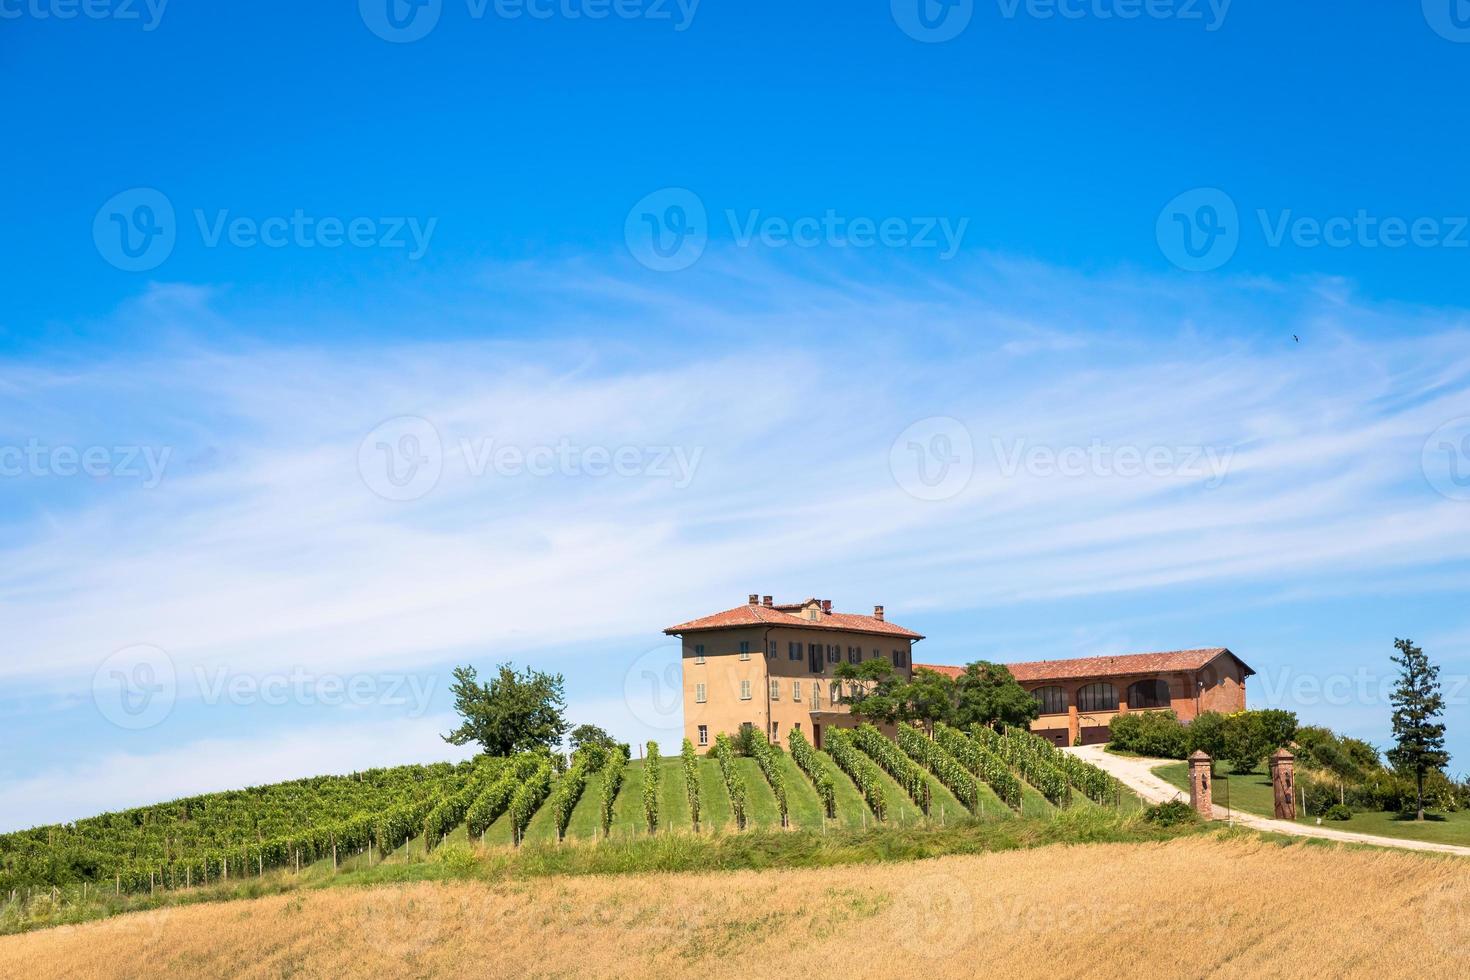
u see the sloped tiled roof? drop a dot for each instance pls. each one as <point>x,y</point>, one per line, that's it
<point>1128,663</point>
<point>753,615</point>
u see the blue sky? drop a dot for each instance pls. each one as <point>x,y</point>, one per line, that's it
<point>353,329</point>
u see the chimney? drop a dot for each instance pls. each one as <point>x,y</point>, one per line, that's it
<point>766,601</point>
<point>878,613</point>
<point>754,599</point>
<point>826,607</point>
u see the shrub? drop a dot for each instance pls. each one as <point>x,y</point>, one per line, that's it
<point>1338,811</point>
<point>650,787</point>
<point>809,762</point>
<point>974,756</point>
<point>1152,733</point>
<point>458,858</point>
<point>691,781</point>
<point>1170,814</point>
<point>1206,734</point>
<point>747,739</point>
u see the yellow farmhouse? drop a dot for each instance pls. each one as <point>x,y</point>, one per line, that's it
<point>770,665</point>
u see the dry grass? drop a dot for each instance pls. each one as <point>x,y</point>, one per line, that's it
<point>1190,907</point>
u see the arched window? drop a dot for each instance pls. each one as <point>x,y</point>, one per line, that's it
<point>1097,697</point>
<point>1148,694</point>
<point>1053,700</point>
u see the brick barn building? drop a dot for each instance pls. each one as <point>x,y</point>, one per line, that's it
<point>1079,698</point>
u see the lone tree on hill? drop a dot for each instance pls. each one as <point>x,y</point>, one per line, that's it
<point>515,712</point>
<point>1417,701</point>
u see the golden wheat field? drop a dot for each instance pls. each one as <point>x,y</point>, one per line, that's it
<point>1194,907</point>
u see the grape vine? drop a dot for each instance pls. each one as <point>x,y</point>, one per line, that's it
<point>809,762</point>
<point>691,781</point>
<point>734,782</point>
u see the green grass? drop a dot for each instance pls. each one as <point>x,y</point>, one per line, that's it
<point>760,801</point>
<point>714,799</point>
<point>851,810</point>
<point>1253,794</point>
<point>628,819</point>
<point>801,796</point>
<point>1033,804</point>
<point>902,810</point>
<point>586,822</point>
<point>673,797</point>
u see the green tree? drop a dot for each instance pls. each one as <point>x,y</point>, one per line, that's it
<point>1207,734</point>
<point>928,698</point>
<point>1278,727</point>
<point>515,712</point>
<point>871,689</point>
<point>1245,741</point>
<point>1417,702</point>
<point>987,694</point>
<point>594,744</point>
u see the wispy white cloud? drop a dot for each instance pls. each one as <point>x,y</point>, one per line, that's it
<point>265,547</point>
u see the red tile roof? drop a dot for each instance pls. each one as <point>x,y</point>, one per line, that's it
<point>786,614</point>
<point>1128,663</point>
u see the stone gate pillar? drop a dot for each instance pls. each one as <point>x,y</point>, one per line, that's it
<point>1283,784</point>
<point>1199,785</point>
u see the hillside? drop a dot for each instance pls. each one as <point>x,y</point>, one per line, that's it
<point>333,825</point>
<point>1290,911</point>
